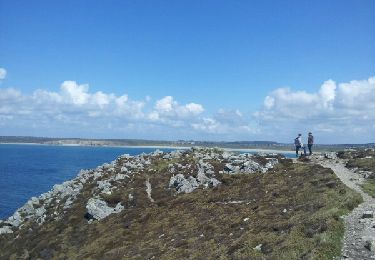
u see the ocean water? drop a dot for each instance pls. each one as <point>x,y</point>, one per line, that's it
<point>30,170</point>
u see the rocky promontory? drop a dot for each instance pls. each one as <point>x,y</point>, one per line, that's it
<point>191,204</point>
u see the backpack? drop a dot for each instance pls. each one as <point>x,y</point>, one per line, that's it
<point>296,141</point>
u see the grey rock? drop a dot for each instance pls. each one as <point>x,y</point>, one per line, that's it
<point>105,186</point>
<point>368,214</point>
<point>330,155</point>
<point>15,220</point>
<point>120,176</point>
<point>98,209</point>
<point>370,244</point>
<point>231,168</point>
<point>182,184</point>
<point>6,230</point>
<point>258,247</point>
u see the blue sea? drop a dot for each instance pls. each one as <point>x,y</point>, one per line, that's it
<point>30,170</point>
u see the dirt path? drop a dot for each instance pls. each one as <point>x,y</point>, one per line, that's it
<point>359,231</point>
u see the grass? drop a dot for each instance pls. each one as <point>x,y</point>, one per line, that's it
<point>369,187</point>
<point>363,160</point>
<point>293,211</point>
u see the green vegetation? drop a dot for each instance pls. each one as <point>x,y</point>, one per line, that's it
<point>369,187</point>
<point>362,160</point>
<point>291,212</point>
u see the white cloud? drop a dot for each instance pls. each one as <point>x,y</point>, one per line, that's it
<point>75,93</point>
<point>165,105</point>
<point>168,109</point>
<point>194,109</point>
<point>334,108</point>
<point>269,102</point>
<point>3,73</point>
<point>336,112</point>
<point>9,94</point>
<point>327,93</point>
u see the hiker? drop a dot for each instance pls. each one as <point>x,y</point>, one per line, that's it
<point>298,143</point>
<point>310,142</point>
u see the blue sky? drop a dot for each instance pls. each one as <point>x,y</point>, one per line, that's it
<point>225,56</point>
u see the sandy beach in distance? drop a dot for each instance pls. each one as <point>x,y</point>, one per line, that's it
<point>166,147</point>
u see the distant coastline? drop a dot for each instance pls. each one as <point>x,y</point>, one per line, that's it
<point>158,147</point>
<point>251,146</point>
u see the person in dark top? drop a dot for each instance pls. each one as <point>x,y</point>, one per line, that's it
<point>310,142</point>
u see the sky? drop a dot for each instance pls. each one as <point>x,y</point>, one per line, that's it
<point>203,70</point>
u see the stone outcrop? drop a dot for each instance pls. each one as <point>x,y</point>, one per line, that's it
<point>98,209</point>
<point>110,177</point>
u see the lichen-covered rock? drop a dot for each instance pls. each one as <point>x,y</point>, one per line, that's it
<point>182,184</point>
<point>331,155</point>
<point>370,244</point>
<point>98,209</point>
<point>6,230</point>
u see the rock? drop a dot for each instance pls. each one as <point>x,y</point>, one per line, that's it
<point>98,209</point>
<point>258,247</point>
<point>231,168</point>
<point>120,176</point>
<point>15,220</point>
<point>331,155</point>
<point>368,214</point>
<point>370,244</point>
<point>6,230</point>
<point>157,153</point>
<point>105,186</point>
<point>331,184</point>
<point>181,184</point>
<point>176,154</point>
<point>226,155</point>
<point>167,156</point>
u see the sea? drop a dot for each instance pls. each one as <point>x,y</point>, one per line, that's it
<point>30,170</point>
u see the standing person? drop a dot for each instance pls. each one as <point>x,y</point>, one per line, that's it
<point>298,143</point>
<point>310,142</point>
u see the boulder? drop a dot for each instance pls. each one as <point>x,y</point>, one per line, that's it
<point>15,220</point>
<point>182,184</point>
<point>370,244</point>
<point>6,230</point>
<point>331,155</point>
<point>98,209</point>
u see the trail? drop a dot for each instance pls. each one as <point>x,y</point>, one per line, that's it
<point>358,230</point>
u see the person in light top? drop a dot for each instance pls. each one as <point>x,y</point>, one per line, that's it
<point>298,144</point>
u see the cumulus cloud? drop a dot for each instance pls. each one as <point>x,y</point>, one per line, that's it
<point>227,122</point>
<point>169,112</point>
<point>342,108</point>
<point>3,73</point>
<point>167,107</point>
<point>333,111</point>
<point>73,103</point>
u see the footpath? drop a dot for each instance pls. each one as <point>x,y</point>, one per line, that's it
<point>359,238</point>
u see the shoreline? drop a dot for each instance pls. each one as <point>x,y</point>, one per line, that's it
<point>261,150</point>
